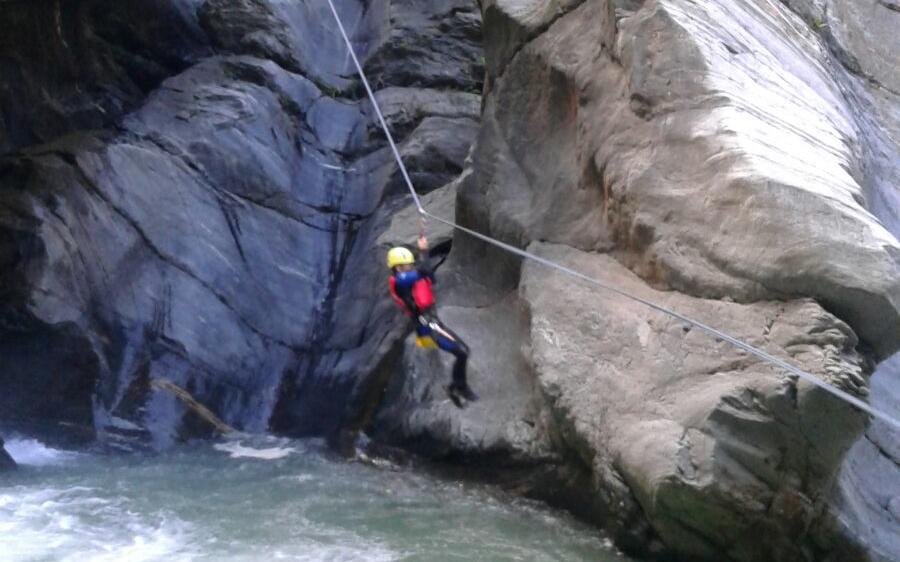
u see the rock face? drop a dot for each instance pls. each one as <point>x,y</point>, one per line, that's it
<point>861,36</point>
<point>77,65</point>
<point>197,191</point>
<point>716,448</point>
<point>201,202</point>
<point>659,128</point>
<point>726,160</point>
<point>870,477</point>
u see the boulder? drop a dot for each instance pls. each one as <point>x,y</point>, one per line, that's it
<point>716,448</point>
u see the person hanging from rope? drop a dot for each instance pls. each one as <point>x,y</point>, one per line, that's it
<point>410,286</point>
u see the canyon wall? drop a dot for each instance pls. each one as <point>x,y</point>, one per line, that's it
<point>734,161</point>
<point>191,191</point>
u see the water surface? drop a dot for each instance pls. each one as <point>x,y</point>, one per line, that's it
<point>266,499</point>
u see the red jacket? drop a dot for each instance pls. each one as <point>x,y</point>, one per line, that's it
<point>411,290</point>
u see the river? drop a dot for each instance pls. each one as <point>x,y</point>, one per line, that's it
<point>266,498</point>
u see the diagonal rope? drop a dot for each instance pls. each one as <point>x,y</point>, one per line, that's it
<point>384,126</point>
<point>740,344</point>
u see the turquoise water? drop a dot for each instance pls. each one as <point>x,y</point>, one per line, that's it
<point>264,498</point>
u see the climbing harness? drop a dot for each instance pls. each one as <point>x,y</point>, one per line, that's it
<point>424,213</point>
<point>426,342</point>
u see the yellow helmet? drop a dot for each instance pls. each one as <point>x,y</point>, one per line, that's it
<point>400,256</point>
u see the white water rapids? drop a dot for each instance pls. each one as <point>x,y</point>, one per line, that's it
<point>263,498</point>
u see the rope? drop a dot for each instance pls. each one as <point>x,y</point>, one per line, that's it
<point>384,126</point>
<point>740,344</point>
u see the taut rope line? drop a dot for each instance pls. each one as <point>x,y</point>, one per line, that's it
<point>740,344</point>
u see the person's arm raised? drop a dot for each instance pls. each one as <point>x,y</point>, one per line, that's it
<point>424,265</point>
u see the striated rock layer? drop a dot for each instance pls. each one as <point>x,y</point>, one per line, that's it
<point>726,160</point>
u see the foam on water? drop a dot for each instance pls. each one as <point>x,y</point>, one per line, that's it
<point>32,452</point>
<point>197,504</point>
<point>75,525</point>
<point>237,450</point>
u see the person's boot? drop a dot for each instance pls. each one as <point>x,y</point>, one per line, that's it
<point>455,394</point>
<point>466,391</point>
<point>461,394</point>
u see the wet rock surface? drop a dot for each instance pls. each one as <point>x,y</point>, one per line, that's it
<point>216,229</point>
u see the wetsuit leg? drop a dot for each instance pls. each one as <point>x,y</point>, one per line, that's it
<point>448,341</point>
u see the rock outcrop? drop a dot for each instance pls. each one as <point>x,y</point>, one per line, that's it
<point>664,122</point>
<point>723,159</point>
<point>195,198</point>
<point>714,447</point>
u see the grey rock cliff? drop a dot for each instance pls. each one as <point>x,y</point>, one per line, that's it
<point>715,448</point>
<point>869,492</point>
<point>725,160</point>
<point>83,64</point>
